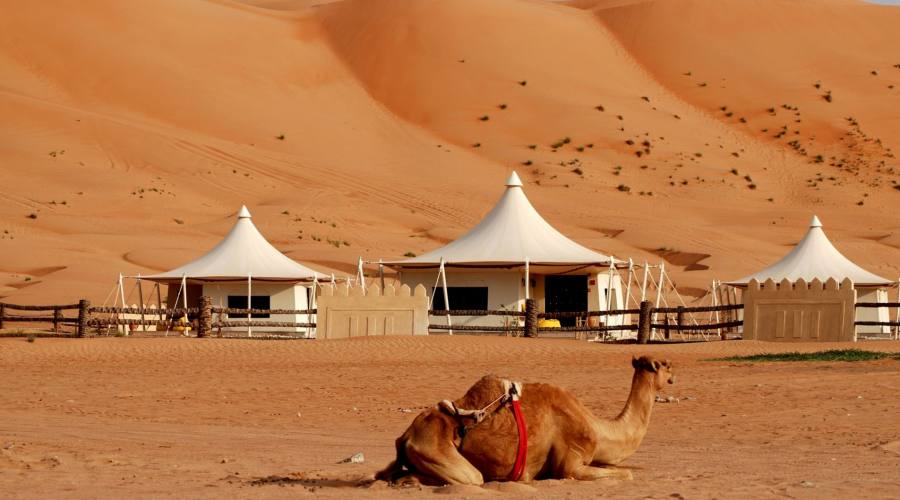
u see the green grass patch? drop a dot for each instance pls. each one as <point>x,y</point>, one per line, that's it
<point>831,355</point>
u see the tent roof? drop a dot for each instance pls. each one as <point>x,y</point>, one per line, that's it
<point>815,257</point>
<point>243,252</point>
<point>510,233</point>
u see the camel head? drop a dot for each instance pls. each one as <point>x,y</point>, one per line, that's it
<point>661,370</point>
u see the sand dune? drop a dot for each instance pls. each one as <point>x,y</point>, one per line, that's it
<point>137,130</point>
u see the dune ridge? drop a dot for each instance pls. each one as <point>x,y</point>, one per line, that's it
<point>133,129</point>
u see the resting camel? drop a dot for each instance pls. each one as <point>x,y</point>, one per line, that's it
<point>452,444</point>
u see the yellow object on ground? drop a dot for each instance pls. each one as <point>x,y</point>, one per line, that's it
<point>548,323</point>
<point>183,325</point>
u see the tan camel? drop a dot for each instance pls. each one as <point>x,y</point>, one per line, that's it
<point>565,440</point>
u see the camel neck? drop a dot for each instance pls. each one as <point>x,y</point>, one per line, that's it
<point>636,412</point>
<point>620,437</point>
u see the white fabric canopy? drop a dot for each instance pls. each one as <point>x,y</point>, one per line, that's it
<point>243,253</point>
<point>815,257</point>
<point>511,233</point>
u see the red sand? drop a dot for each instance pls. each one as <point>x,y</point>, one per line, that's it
<point>116,417</point>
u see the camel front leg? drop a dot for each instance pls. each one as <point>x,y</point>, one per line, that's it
<point>443,463</point>
<point>591,473</point>
<point>573,466</point>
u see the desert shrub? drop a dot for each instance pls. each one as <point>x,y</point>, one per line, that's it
<point>830,355</point>
<point>623,188</point>
<point>409,254</point>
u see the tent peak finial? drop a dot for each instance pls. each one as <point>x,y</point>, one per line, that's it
<point>243,213</point>
<point>815,222</point>
<point>513,180</point>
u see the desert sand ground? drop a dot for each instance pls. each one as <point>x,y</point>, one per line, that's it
<point>130,417</point>
<point>702,133</point>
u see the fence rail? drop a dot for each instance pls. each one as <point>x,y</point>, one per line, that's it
<point>644,325</point>
<point>231,310</point>
<point>475,312</point>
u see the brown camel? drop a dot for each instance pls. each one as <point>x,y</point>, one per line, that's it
<point>565,440</point>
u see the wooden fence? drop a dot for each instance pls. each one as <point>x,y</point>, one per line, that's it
<point>56,318</point>
<point>895,325</point>
<point>646,317</point>
<point>205,319</point>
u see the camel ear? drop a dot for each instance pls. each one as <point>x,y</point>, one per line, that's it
<point>656,364</point>
<point>634,361</point>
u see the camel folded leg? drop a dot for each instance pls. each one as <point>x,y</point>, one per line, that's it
<point>591,473</point>
<point>444,464</point>
<point>573,466</point>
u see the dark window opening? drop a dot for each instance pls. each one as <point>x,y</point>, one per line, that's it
<point>461,297</point>
<point>256,302</point>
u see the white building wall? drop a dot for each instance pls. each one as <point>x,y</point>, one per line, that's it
<point>281,296</point>
<point>880,314</point>
<point>506,291</point>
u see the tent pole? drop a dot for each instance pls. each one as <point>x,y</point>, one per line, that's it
<point>249,304</point>
<point>609,294</point>
<point>527,280</point>
<point>141,302</point>
<point>713,289</point>
<point>360,276</point>
<point>628,287</point>
<point>183,292</point>
<point>333,281</point>
<point>644,282</point>
<point>311,304</point>
<point>443,275</point>
<point>659,287</point>
<point>381,273</point>
<point>122,290</point>
<point>897,328</point>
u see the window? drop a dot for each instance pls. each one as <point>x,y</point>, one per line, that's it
<point>256,302</point>
<point>462,297</point>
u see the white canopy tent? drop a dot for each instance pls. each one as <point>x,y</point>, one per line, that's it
<point>510,243</point>
<point>815,257</point>
<point>243,253</point>
<point>241,260</point>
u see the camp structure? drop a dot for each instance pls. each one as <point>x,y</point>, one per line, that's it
<point>816,258</point>
<point>245,269</point>
<point>511,255</point>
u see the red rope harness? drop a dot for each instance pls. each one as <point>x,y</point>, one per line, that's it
<point>522,453</point>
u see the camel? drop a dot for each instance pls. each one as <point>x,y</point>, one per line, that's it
<point>446,445</point>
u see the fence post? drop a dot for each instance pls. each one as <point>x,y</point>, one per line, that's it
<point>666,326</point>
<point>84,306</point>
<point>2,314</point>
<point>644,318</point>
<point>204,323</point>
<point>57,315</point>
<point>531,321</point>
<point>679,319</point>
